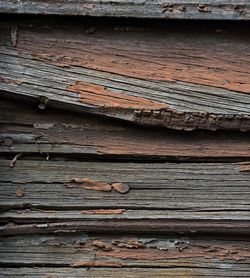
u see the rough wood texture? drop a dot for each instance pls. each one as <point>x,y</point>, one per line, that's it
<point>191,197</point>
<point>24,130</point>
<point>131,272</point>
<point>196,78</point>
<point>182,9</point>
<point>181,77</point>
<point>196,255</point>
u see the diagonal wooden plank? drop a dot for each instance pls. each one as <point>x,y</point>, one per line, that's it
<point>181,9</point>
<point>174,78</point>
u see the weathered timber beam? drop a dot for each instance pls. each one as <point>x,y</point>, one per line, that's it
<point>129,272</point>
<point>182,79</point>
<point>181,9</point>
<point>82,250</point>
<point>25,130</point>
<point>48,196</point>
<point>131,226</point>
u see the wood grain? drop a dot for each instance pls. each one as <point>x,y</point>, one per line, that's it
<point>181,9</point>
<point>182,79</point>
<point>122,251</point>
<point>162,197</point>
<point>131,272</point>
<point>24,130</point>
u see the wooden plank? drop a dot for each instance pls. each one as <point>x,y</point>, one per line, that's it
<point>24,130</point>
<point>64,272</point>
<point>186,197</point>
<point>122,251</point>
<point>181,9</point>
<point>130,226</point>
<point>192,78</point>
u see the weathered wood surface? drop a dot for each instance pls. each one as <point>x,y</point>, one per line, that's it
<point>47,196</point>
<point>181,77</point>
<point>131,272</point>
<point>181,9</point>
<point>24,130</point>
<point>197,257</point>
<point>122,273</point>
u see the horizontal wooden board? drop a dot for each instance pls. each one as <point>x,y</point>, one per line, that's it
<point>41,196</point>
<point>181,9</point>
<point>122,272</point>
<point>24,130</point>
<point>181,77</point>
<point>197,255</point>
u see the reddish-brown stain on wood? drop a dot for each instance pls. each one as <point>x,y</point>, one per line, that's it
<point>10,81</point>
<point>147,55</point>
<point>102,245</point>
<point>103,211</point>
<point>245,167</point>
<point>102,97</point>
<point>130,244</point>
<point>89,184</point>
<point>96,263</point>
<point>120,187</point>
<point>178,249</point>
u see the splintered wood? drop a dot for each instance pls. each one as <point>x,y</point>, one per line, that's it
<point>23,130</point>
<point>121,143</point>
<point>168,76</point>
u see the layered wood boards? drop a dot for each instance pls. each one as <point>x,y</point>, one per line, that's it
<point>61,216</point>
<point>84,195</point>
<point>165,75</point>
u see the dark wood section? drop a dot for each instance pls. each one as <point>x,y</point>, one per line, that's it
<point>181,9</point>
<point>23,129</point>
<point>182,78</point>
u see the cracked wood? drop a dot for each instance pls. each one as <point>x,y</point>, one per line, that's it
<point>232,271</point>
<point>181,9</point>
<point>197,78</point>
<point>24,130</point>
<point>87,250</point>
<point>161,197</point>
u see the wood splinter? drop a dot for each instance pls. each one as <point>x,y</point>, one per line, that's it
<point>14,160</point>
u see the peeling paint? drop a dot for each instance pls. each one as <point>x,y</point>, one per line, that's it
<point>102,245</point>
<point>130,244</point>
<point>244,167</point>
<point>103,211</point>
<point>96,264</point>
<point>101,96</point>
<point>120,187</point>
<point>89,184</point>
